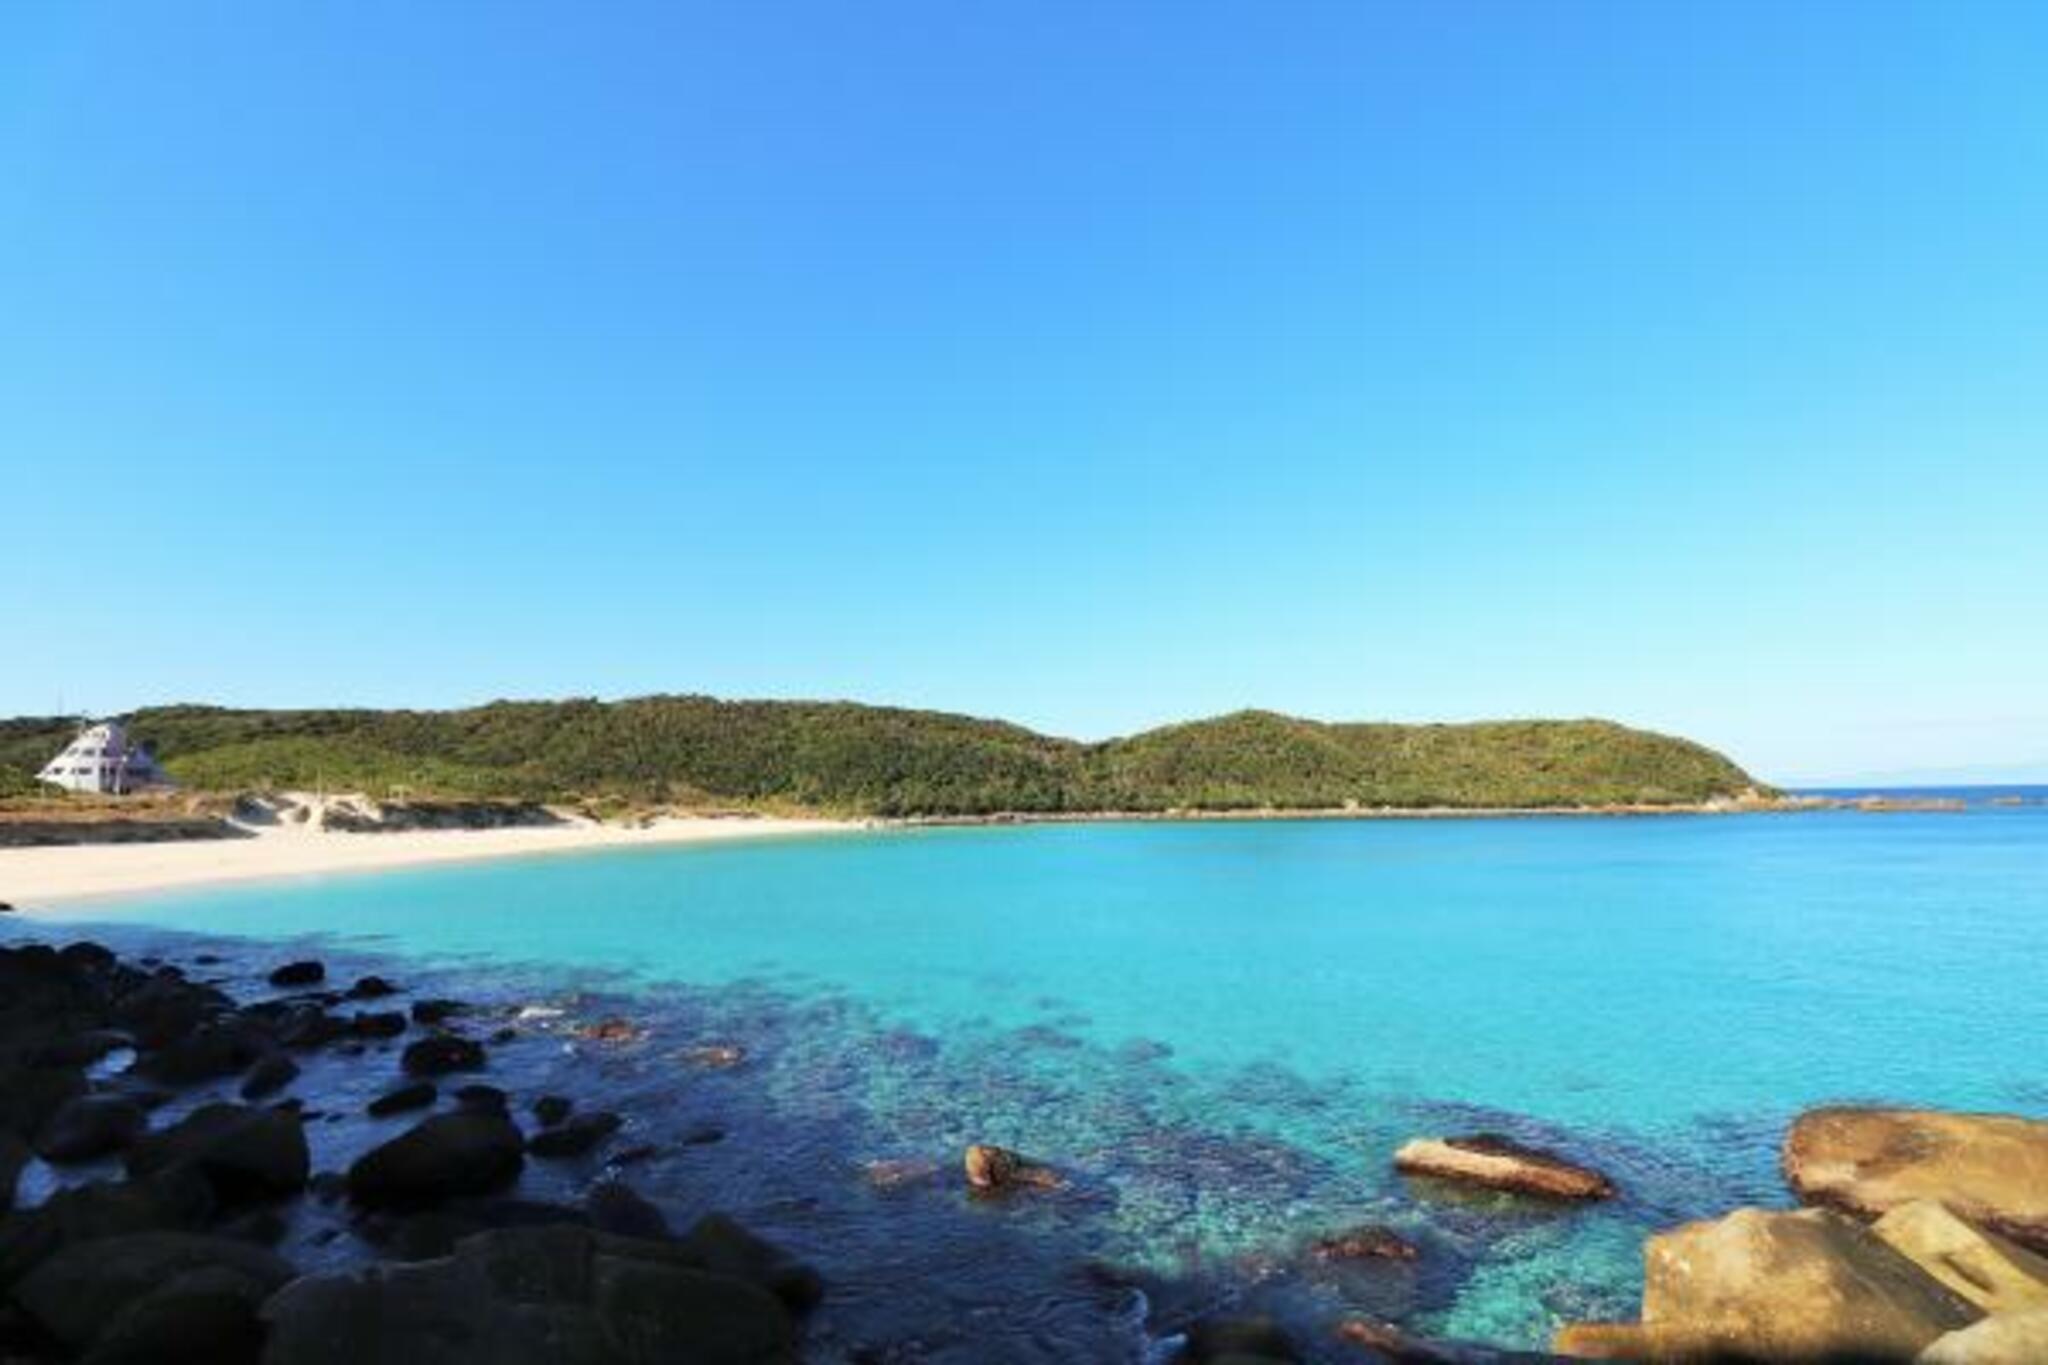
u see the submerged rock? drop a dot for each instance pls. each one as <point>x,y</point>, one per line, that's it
<point>1992,1169</point>
<point>1367,1242</point>
<point>894,1173</point>
<point>1501,1164</point>
<point>615,1208</point>
<point>713,1056</point>
<point>552,1109</point>
<point>306,973</point>
<point>468,1152</point>
<point>1803,1286</point>
<point>611,1031</point>
<point>435,1011</point>
<point>1238,1341</point>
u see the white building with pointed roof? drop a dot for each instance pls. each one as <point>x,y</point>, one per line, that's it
<point>103,759</point>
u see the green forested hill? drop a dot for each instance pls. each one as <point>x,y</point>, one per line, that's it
<point>838,756</point>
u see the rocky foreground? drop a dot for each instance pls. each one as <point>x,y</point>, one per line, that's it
<point>1925,1244</point>
<point>173,1261</point>
<point>1926,1240</point>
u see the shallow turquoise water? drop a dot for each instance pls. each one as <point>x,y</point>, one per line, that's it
<point>1226,1028</point>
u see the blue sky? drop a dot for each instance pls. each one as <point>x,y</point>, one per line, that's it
<point>1088,365</point>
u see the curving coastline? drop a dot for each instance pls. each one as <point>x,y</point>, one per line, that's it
<point>68,874</point>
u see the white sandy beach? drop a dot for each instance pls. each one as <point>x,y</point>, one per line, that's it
<point>32,878</point>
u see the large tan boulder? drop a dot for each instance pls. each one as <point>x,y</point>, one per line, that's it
<point>1604,1341</point>
<point>1803,1286</point>
<point>1500,1164</point>
<point>1992,1169</point>
<point>2007,1339</point>
<point>1991,1272</point>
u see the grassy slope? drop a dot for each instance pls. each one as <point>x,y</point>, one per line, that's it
<point>876,760</point>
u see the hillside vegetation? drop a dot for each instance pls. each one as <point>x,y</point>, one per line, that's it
<point>846,758</point>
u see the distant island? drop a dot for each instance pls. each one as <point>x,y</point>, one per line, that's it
<point>842,758</point>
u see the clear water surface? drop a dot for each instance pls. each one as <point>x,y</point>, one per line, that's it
<point>1223,1030</point>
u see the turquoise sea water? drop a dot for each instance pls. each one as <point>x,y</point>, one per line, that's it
<point>1224,1029</point>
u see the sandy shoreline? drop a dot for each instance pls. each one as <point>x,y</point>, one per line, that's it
<point>34,878</point>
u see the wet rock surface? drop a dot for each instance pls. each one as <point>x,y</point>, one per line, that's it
<point>448,1156</point>
<point>1500,1163</point>
<point>561,1295</point>
<point>121,1070</point>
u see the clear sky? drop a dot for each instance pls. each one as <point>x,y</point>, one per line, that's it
<point>1089,365</point>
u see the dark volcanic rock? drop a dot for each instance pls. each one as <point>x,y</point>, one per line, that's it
<point>245,1154</point>
<point>78,1293</point>
<point>552,1109</point>
<point>487,1098</point>
<point>164,1009</point>
<point>444,1157</point>
<point>574,1136</point>
<point>430,1012</point>
<point>441,1054</point>
<point>371,988</point>
<point>206,1315</point>
<point>214,1051</point>
<point>378,1024</point>
<point>310,1026</point>
<point>14,1155</point>
<point>90,1127</point>
<point>532,1296</point>
<point>31,1096</point>
<point>617,1209</point>
<point>174,1201</point>
<point>721,1245</point>
<point>418,1095</point>
<point>436,1232</point>
<point>308,973</point>
<point>268,1076</point>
